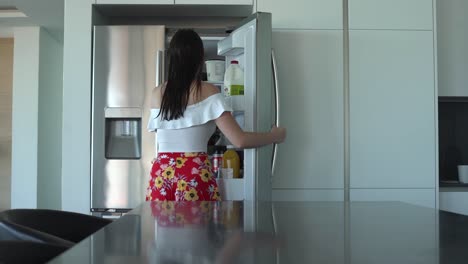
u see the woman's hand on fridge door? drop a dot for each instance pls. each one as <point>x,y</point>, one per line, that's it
<point>241,139</point>
<point>279,134</point>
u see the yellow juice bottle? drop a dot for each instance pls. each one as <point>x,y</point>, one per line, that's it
<point>231,163</point>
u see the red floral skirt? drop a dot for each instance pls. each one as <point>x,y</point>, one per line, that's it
<point>178,176</point>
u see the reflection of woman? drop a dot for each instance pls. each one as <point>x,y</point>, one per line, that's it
<point>181,231</point>
<point>185,112</point>
<point>180,214</point>
<point>190,230</point>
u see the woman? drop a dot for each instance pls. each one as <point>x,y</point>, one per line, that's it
<point>185,112</point>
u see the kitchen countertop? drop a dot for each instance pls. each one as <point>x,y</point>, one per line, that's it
<point>277,232</point>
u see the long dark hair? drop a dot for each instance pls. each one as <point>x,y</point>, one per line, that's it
<point>185,56</point>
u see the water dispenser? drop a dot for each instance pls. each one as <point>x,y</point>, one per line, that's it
<point>123,133</point>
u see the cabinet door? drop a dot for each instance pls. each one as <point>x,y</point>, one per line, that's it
<point>136,2</point>
<point>214,2</point>
<point>392,109</point>
<point>310,73</point>
<point>452,54</point>
<point>304,14</point>
<point>421,197</point>
<point>394,14</point>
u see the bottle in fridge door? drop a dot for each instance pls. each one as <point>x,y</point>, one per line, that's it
<point>231,163</point>
<point>234,80</point>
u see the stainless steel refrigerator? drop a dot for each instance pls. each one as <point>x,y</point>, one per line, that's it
<point>128,62</point>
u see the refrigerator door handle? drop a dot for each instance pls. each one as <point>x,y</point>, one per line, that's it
<point>277,108</point>
<point>159,67</point>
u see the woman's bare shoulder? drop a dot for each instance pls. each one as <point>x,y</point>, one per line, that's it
<point>156,96</point>
<point>208,90</point>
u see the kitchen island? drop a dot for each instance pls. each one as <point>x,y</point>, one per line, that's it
<point>277,232</point>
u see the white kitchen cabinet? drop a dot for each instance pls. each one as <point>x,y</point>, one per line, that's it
<point>422,197</point>
<point>304,14</point>
<point>310,72</point>
<point>394,14</point>
<point>392,109</point>
<point>452,40</point>
<point>25,126</point>
<point>136,2</point>
<point>214,2</point>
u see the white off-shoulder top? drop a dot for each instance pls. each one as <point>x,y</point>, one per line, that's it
<point>191,132</point>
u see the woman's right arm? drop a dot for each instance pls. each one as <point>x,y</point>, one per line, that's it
<point>228,125</point>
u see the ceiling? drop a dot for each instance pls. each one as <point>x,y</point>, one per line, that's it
<point>44,13</point>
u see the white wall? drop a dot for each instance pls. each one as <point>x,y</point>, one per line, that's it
<point>50,122</point>
<point>6,32</point>
<point>36,120</point>
<point>25,117</point>
<point>76,106</point>
<point>44,13</point>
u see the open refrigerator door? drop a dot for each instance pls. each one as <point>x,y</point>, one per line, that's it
<point>250,45</point>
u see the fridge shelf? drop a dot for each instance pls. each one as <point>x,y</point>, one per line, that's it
<point>215,83</point>
<point>231,189</point>
<point>237,102</point>
<point>231,46</point>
